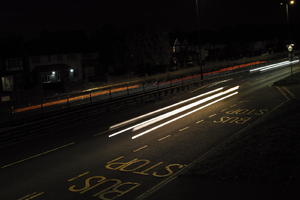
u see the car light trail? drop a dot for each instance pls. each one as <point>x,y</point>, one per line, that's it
<point>273,65</point>
<point>185,108</point>
<point>162,109</point>
<point>182,116</point>
<point>290,63</point>
<point>164,115</point>
<point>276,65</point>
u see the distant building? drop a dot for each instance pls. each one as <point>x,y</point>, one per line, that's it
<point>56,68</point>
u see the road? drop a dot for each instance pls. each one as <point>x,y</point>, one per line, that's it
<point>85,163</point>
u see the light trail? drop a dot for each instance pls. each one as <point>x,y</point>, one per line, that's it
<point>132,127</point>
<point>162,109</point>
<point>73,99</point>
<point>182,116</point>
<point>290,63</point>
<point>276,65</point>
<point>166,115</point>
<point>272,65</point>
<point>185,108</point>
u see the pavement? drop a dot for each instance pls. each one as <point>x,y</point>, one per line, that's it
<point>201,155</point>
<point>260,162</point>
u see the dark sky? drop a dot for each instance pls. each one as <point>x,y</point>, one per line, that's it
<point>33,15</point>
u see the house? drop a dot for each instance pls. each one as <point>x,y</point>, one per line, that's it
<point>56,68</point>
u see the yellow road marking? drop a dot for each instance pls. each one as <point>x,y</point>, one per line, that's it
<point>37,155</point>
<point>141,148</point>
<point>163,138</point>
<point>283,93</point>
<point>289,92</point>
<point>76,177</point>
<point>183,129</point>
<point>31,196</point>
<point>212,115</point>
<point>198,122</point>
<point>28,195</point>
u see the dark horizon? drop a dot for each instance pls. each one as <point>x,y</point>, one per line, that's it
<point>31,17</point>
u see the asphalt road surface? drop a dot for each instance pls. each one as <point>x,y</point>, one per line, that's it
<point>85,163</point>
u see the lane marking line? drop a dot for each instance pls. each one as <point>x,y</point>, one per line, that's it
<point>183,129</point>
<point>212,115</point>
<point>283,93</point>
<point>76,177</point>
<point>199,88</point>
<point>37,155</point>
<point>32,196</point>
<point>198,122</point>
<point>28,195</point>
<point>141,148</point>
<point>163,138</point>
<point>289,92</point>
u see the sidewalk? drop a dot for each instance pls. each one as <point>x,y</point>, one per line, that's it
<point>261,163</point>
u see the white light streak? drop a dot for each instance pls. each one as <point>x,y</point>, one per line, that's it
<point>290,63</point>
<point>281,64</point>
<point>179,110</point>
<point>164,115</point>
<point>162,109</point>
<point>182,116</point>
<point>273,65</point>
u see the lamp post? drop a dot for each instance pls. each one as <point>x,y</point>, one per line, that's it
<point>198,37</point>
<point>290,45</point>
<point>287,4</point>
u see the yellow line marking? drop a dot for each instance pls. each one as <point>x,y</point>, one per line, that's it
<point>283,93</point>
<point>141,148</point>
<point>163,138</point>
<point>183,129</point>
<point>37,155</point>
<point>212,115</point>
<point>31,196</point>
<point>28,195</point>
<point>289,92</point>
<point>198,122</point>
<point>76,177</point>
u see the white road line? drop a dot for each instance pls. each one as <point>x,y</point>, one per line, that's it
<point>141,148</point>
<point>37,155</point>
<point>163,138</point>
<point>212,115</point>
<point>198,122</point>
<point>183,129</point>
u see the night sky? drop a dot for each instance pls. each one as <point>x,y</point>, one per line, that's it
<point>33,15</point>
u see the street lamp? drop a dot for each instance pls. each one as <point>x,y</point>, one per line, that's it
<point>290,46</point>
